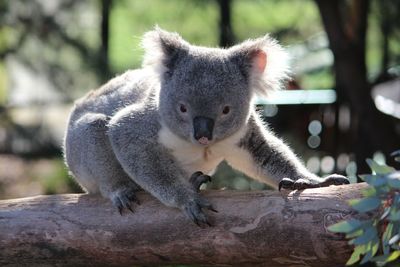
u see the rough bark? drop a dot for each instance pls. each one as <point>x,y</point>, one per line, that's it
<point>257,228</point>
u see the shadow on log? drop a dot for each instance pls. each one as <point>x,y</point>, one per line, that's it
<point>257,228</point>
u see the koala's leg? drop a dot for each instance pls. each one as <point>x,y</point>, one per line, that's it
<point>93,163</point>
<point>153,168</point>
<point>265,157</point>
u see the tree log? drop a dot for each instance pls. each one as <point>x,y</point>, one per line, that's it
<point>257,228</point>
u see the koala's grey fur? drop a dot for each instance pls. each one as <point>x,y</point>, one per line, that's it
<point>136,131</point>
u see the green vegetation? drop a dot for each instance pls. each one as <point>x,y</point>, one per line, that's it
<point>376,239</point>
<point>196,21</point>
<point>292,22</point>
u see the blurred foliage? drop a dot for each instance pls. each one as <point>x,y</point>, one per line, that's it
<point>56,181</point>
<point>131,19</point>
<point>28,177</point>
<point>250,19</point>
<point>376,239</point>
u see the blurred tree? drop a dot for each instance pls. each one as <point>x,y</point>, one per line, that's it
<point>388,16</point>
<point>105,33</point>
<point>226,36</point>
<point>345,23</point>
<point>51,50</point>
<point>53,40</point>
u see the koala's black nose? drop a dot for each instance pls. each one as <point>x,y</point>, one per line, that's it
<point>203,127</point>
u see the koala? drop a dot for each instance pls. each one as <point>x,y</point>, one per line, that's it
<point>167,126</point>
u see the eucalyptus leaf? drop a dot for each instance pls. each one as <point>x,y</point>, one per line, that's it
<point>396,200</point>
<point>367,257</point>
<point>355,256</point>
<point>386,237</point>
<point>369,234</point>
<point>369,192</point>
<point>374,180</point>
<point>365,204</point>
<point>394,239</point>
<point>394,255</point>
<point>371,249</point>
<point>388,233</point>
<point>379,169</point>
<point>394,179</point>
<point>381,258</point>
<point>395,215</point>
<point>354,234</point>
<point>345,226</point>
<point>385,213</point>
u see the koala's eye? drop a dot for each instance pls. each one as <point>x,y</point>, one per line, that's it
<point>226,110</point>
<point>182,108</point>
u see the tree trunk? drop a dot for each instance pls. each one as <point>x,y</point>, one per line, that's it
<point>346,33</point>
<point>105,73</point>
<point>257,228</point>
<point>226,37</point>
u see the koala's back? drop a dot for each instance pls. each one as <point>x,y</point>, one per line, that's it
<point>134,86</point>
<point>87,150</point>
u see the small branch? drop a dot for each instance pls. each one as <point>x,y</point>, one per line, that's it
<point>257,228</point>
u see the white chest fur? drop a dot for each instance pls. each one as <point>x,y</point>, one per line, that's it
<point>193,157</point>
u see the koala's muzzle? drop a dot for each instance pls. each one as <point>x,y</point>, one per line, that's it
<point>203,128</point>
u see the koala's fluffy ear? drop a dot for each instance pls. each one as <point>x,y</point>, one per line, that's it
<point>264,62</point>
<point>162,49</point>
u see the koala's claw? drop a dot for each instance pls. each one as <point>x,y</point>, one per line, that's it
<point>123,200</point>
<point>194,211</point>
<point>285,183</point>
<point>198,178</point>
<point>335,179</point>
<point>300,184</point>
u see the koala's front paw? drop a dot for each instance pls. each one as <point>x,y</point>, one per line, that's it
<point>199,178</point>
<point>300,184</point>
<point>194,210</point>
<point>335,179</point>
<point>123,198</point>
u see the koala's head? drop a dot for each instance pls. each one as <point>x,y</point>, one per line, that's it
<point>206,93</point>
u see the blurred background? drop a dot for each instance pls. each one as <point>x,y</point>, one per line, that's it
<point>341,107</point>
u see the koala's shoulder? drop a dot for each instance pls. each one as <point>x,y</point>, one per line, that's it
<point>139,122</point>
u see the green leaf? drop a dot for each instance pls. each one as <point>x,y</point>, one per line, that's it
<point>381,258</point>
<point>369,234</point>
<point>354,234</point>
<point>394,255</point>
<point>386,237</point>
<point>379,169</point>
<point>374,180</point>
<point>375,246</point>
<point>395,215</point>
<point>388,257</point>
<point>369,192</point>
<point>355,256</point>
<point>345,226</point>
<point>394,239</point>
<point>394,179</point>
<point>372,248</point>
<point>385,213</point>
<point>388,233</point>
<point>367,257</point>
<point>365,204</point>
